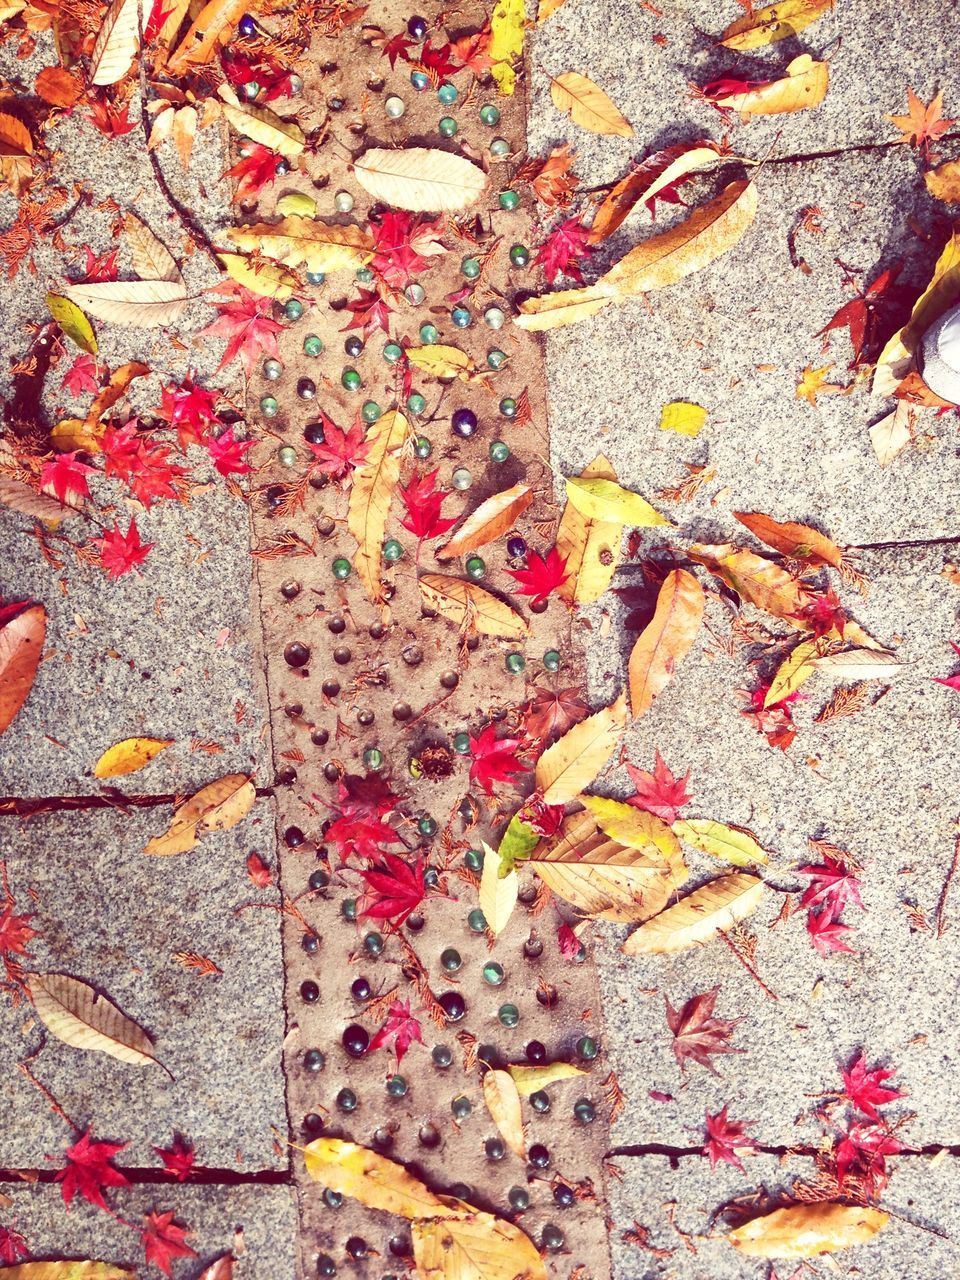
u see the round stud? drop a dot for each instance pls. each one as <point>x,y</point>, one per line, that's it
<point>563,1196</point>
<point>353,346</point>
<point>314,1061</point>
<point>293,308</point>
<point>373,758</point>
<point>296,654</point>
<point>515,663</point>
<point>464,423</point>
<point>442,1056</point>
<point>271,369</point>
<point>290,589</point>
<point>496,359</point>
<point>343,202</point>
<point>470,268</point>
<point>346,1100</point>
<point>450,959</point>
<point>420,81</point>
<point>348,909</point>
<point>494,1149</point>
<point>447,127</point>
<point>536,1052</point>
<point>508,1015</point>
<point>392,352</point>
<point>415,294</point>
<point>461,479</point>
<point>316,277</point>
<point>475,568</point>
<point>371,411</point>
<point>499,451</point>
<point>519,1199</point>
<point>476,921</point>
<point>454,1005</point>
<point>416,403</point>
<point>493,974</point>
<point>509,200</point>
<point>326,1266</point>
<point>508,407</point>
<point>540,1101</point>
<point>428,826</point>
<point>551,660</point>
<point>539,1156</point>
<point>351,380</point>
<point>355,1040</point>
<point>584,1111</point>
<point>461,743</point>
<point>250,89</point>
<point>287,455</point>
<point>397,1087</point>
<point>447,94</point>
<point>553,1238</point>
<point>461,1107</point>
<point>306,388</point>
<point>489,114</point>
<point>312,346</point>
<point>587,1048</point>
<point>519,255</point>
<point>449,679</point>
<point>341,569</point>
<point>473,861</point>
<point>417,27</point>
<point>360,989</point>
<point>394,107</point>
<point>494,318</point>
<point>461,317</point>
<point>314,433</point>
<point>309,992</point>
<point>499,148</point>
<point>373,944</point>
<point>423,447</point>
<point>429,333</point>
<point>392,551</point>
<point>269,406</point>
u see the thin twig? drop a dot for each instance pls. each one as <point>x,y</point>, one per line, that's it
<point>748,966</point>
<point>55,1106</point>
<point>942,902</point>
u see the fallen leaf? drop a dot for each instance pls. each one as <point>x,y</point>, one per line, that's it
<point>378,1183</point>
<point>24,498</point>
<point>666,640</point>
<point>477,1247</point>
<point>923,124</point>
<point>129,755</point>
<point>805,85</point>
<point>59,87</point>
<point>503,1102</point>
<point>117,44</point>
<point>507,25</point>
<point>374,482</point>
<point>590,546</point>
<point>780,21</point>
<point>78,1015</point>
<point>891,435</point>
<point>262,125</point>
<point>760,581</point>
<point>807,1230</point>
<point>260,276</point>
<point>795,669</point>
<point>574,760</point>
<point>939,296</point>
<point>65,1271</point>
<point>471,607</point>
<point>698,917</point>
<point>152,260</point>
<point>421,179</point>
<point>23,629</point>
<point>141,304</point>
<point>601,499</point>
<point>498,893</point>
<point>163,1240</point>
<point>308,242</point>
<point>730,844</point>
<point>859,664</point>
<point>634,828</point>
<point>943,182</point>
<point>587,105</point>
<point>796,541</point>
<point>209,29</point>
<point>442,361</point>
<point>813,382</point>
<point>221,1269</point>
<point>657,175</point>
<point>73,322</point>
<point>216,807</point>
<point>659,792</point>
<point>684,418</point>
<point>697,1034</point>
<point>531,1079</point>
<point>494,516</point>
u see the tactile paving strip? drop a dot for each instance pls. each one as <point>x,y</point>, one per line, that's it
<point>394,678</point>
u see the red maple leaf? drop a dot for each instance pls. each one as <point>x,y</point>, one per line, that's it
<point>13,1247</point>
<point>393,890</point>
<point>824,613</point>
<point>112,120</point>
<point>227,453</point>
<point>178,1157</point>
<point>725,87</point>
<point>542,576</point>
<point>246,323</point>
<point>423,502</point>
<point>121,552</point>
<point>568,942</point>
<point>697,1033</point>
<point>273,79</point>
<point>342,451</point>
<point>362,803</point>
<point>659,793</point>
<point>438,60</point>
<point>774,722</point>
<point>66,475</point>
<point>859,315</point>
<point>15,932</point>
<point>545,819</point>
<point>121,450</point>
<point>258,871</point>
<point>832,884</point>
<point>190,409</point>
<point>88,1170</point>
<point>396,47</point>
<point>826,932</point>
<point>403,1025</point>
<point>864,1086</point>
<point>923,124</point>
<point>565,249</point>
<point>153,477</point>
<point>82,376</point>
<point>861,1155</point>
<point>952,682</point>
<point>494,760</point>
<point>399,238</point>
<point>472,50</point>
<point>163,1241</point>
<point>102,267</point>
<point>726,1139</point>
<point>552,712</point>
<point>370,312</point>
<point>254,171</point>
<point>160,10</point>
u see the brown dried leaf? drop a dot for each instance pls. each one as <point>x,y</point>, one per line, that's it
<point>503,1102</point>
<point>700,916</point>
<point>587,105</point>
<point>78,1015</point>
<point>471,607</point>
<point>494,516</point>
<point>216,807</point>
<point>572,763</point>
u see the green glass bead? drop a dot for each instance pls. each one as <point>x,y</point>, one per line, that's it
<point>343,202</point>
<point>461,317</point>
<point>461,743</point>
<point>475,567</point>
<point>373,944</point>
<point>519,255</point>
<point>499,451</point>
<point>494,318</point>
<point>451,959</point>
<point>447,93</point>
<point>519,1199</point>
<point>447,127</point>
<point>587,1048</point>
<point>351,380</point>
<point>461,1107</point>
<point>312,346</point>
<point>314,1060</point>
<point>392,352</point>
<point>341,569</point>
<point>416,402</point>
<point>427,826</point>
<point>269,407</point>
<point>470,268</point>
<point>364,275</point>
<point>508,407</point>
<point>420,80</point>
<point>348,909</point>
<point>442,1055</point>
<point>551,660</point>
<point>272,370</point>
<point>293,308</point>
<point>496,359</point>
<point>489,114</point>
<point>499,147</point>
<point>493,974</point>
<point>476,921</point>
<point>415,294</point>
<point>394,107</point>
<point>540,1101</point>
<point>396,1086</point>
<point>373,758</point>
<point>461,479</point>
<point>515,663</point>
<point>316,277</point>
<point>371,411</point>
<point>287,455</point>
<point>473,860</point>
<point>509,1015</point>
<point>585,1111</point>
<point>509,199</point>
<point>346,1100</point>
<point>429,333</point>
<point>392,551</point>
<point>423,447</point>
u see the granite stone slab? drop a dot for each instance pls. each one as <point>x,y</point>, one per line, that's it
<point>117,919</point>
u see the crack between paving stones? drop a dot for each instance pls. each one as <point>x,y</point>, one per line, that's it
<point>30,806</point>
<point>639,1150</point>
<point>148,1177</point>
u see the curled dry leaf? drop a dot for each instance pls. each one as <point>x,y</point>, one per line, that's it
<point>498,893</point>
<point>698,917</point>
<point>475,1247</point>
<point>797,541</point>
<point>600,499</point>
<point>216,807</point>
<point>378,1183</point>
<point>471,607</point>
<point>494,516</point>
<point>129,755</point>
<point>307,242</point>
<point>943,182</point>
<point>759,27</point>
<point>221,1269</point>
<point>760,581</point>
<point>78,1015</point>
<point>373,486</point>
<point>891,435</point>
<point>262,125</point>
<point>657,172</point>
<point>140,304</point>
<point>666,640</point>
<point>152,260</point>
<point>805,85</point>
<point>530,1079</point>
<point>74,1270</point>
<point>587,105</point>
<point>896,358</point>
<point>23,630</point>
<point>590,545</point>
<point>730,844</point>
<point>807,1230</point>
<point>421,179</point>
<point>503,1102</point>
<point>209,29</point>
<point>574,760</point>
<point>24,498</point>
<point>59,87</point>
<point>117,43</point>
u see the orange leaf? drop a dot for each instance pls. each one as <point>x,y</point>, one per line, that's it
<point>798,541</point>
<point>59,87</point>
<point>211,27</point>
<point>21,647</point>
<point>666,640</point>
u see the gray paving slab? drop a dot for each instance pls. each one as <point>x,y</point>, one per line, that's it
<point>879,784</point>
<point>259,1219</point>
<point>678,1206</point>
<point>115,918</point>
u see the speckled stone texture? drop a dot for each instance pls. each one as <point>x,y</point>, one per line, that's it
<point>115,918</point>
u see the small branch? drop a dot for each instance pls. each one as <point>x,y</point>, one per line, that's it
<point>942,902</point>
<point>55,1106</point>
<point>749,967</point>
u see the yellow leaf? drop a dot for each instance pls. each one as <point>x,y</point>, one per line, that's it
<point>633,828</point>
<point>65,1270</point>
<point>296,202</point>
<point>729,844</point>
<point>698,917</point>
<point>943,182</point>
<point>805,85</point>
<point>529,1079</point>
<point>648,179</point>
<point>498,894</point>
<point>260,276</point>
<point>184,132</point>
<point>546,8</point>
<point>73,322</point>
<point>494,516</point>
<point>813,382</point>
<point>574,760</point>
<point>262,125</point>
<point>478,1247</point>
<point>378,1183</point>
<point>601,499</point>
<point>77,433</point>
<point>807,1230</point>
<point>587,105</point>
<point>565,306</point>
<point>773,22</point>
<point>421,179</point>
<point>591,547</point>
<point>684,418</point>
<point>216,807</point>
<point>938,297</point>
<point>140,304</point>
<point>503,1102</point>
<point>760,581</point>
<point>797,541</point>
<point>666,639</point>
<point>506,42</point>
<point>117,43</point>
<point>471,607</point>
<point>373,485</point>
<point>797,667</point>
<point>78,1015</point>
<point>128,756</point>
<point>604,879</point>
<point>307,242</point>
<point>441,361</point>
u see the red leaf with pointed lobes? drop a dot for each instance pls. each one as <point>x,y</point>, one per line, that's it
<point>952,682</point>
<point>923,124</point>
<point>190,409</point>
<point>545,819</point>
<point>423,502</point>
<point>861,1156</point>
<point>494,760</point>
<point>362,803</point>
<point>859,315</point>
<point>82,376</point>
<point>472,48</point>
<point>15,932</point>
<point>121,552</point>
<point>697,1034</point>
<point>774,722</point>
<point>726,1139</point>
<point>565,250</point>
<point>438,60</point>
<point>227,453</point>
<point>342,451</point>
<point>121,450</point>
<point>66,476</point>
<point>13,1247</point>
<point>396,47</point>
<point>824,613</point>
<point>553,712</point>
<point>832,884</point>
<point>401,1024</point>
<point>179,1156</point>
<point>258,871</point>
<point>401,240</point>
<point>102,267</point>
<point>370,312</point>
<point>659,793</point>
<point>88,1170</point>
<point>826,932</point>
<point>864,1086</point>
<point>568,942</point>
<point>245,321</point>
<point>254,171</point>
<point>542,576</point>
<point>393,890</point>
<point>153,477</point>
<point>112,121</point>
<point>163,1241</point>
